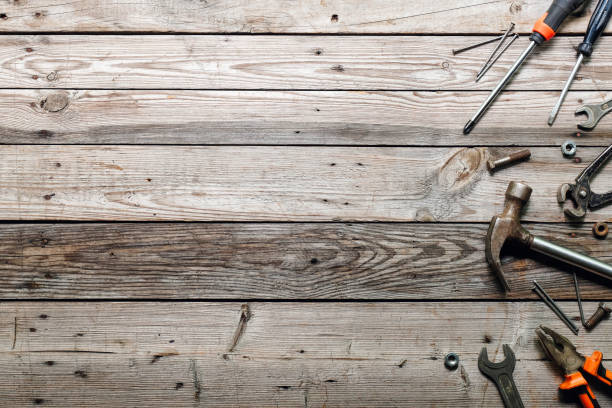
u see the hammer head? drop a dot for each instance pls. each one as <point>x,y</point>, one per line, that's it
<point>507,226</point>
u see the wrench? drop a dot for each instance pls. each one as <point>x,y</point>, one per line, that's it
<point>594,113</point>
<point>580,194</point>
<point>501,375</point>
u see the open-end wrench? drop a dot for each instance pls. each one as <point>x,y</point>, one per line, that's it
<point>580,194</point>
<point>501,375</point>
<point>594,113</point>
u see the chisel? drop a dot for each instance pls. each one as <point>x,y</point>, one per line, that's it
<point>543,30</point>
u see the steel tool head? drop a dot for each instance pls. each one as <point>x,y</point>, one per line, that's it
<point>592,116</point>
<point>507,226</point>
<point>560,350</point>
<point>574,202</point>
<point>491,369</point>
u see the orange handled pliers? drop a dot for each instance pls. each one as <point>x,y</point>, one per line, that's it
<point>575,365</point>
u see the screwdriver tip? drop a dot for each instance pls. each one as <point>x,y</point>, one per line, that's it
<point>468,127</point>
<point>551,119</point>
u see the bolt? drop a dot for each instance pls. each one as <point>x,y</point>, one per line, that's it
<point>512,158</point>
<point>601,312</point>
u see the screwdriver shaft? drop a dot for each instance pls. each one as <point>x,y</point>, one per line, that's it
<point>555,109</point>
<point>500,86</point>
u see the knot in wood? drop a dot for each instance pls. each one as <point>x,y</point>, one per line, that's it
<point>55,102</point>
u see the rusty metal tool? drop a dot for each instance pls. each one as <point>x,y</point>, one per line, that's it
<point>494,164</point>
<point>576,198</point>
<point>543,30</point>
<point>507,226</point>
<point>594,114</point>
<point>488,65</point>
<point>575,366</point>
<point>501,375</point>
<point>599,314</point>
<point>554,307</point>
<point>471,47</point>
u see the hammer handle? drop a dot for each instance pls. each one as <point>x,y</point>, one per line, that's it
<point>572,257</point>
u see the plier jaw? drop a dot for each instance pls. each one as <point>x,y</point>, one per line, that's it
<point>575,199</point>
<point>560,350</point>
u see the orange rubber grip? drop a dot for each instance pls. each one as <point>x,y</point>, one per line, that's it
<point>543,29</point>
<point>592,365</point>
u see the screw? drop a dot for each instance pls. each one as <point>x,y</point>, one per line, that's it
<point>512,158</point>
<point>601,312</point>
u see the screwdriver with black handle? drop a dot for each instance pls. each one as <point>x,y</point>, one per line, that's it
<point>543,30</point>
<point>597,24</point>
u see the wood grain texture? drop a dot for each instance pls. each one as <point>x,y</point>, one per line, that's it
<point>279,261</point>
<point>279,16</point>
<point>290,354</point>
<point>289,117</point>
<point>285,62</point>
<point>236,183</point>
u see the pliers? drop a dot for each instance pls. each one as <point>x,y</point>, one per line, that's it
<point>580,193</point>
<point>575,365</point>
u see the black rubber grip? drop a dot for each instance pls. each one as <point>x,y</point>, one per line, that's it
<point>559,10</point>
<point>597,25</point>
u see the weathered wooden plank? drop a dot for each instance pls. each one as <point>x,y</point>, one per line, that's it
<point>287,354</point>
<point>278,261</point>
<point>276,183</point>
<point>279,16</point>
<point>288,117</point>
<point>284,62</point>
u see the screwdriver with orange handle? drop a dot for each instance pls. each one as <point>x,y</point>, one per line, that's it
<point>543,30</point>
<point>575,366</point>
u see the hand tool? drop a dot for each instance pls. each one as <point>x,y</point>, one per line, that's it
<point>507,226</point>
<point>504,36</point>
<point>594,113</point>
<point>490,64</point>
<point>569,148</point>
<point>554,307</point>
<point>574,365</point>
<point>600,230</point>
<point>451,361</point>
<point>543,30</point>
<point>576,198</point>
<point>493,164</point>
<point>471,47</point>
<point>596,26</point>
<point>501,375</point>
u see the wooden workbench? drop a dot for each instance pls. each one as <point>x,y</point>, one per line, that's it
<point>270,202</point>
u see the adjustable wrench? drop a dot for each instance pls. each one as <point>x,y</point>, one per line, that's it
<point>594,113</point>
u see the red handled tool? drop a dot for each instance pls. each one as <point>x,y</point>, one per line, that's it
<point>543,30</point>
<point>574,366</point>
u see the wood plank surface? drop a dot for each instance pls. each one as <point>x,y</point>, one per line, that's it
<point>285,62</point>
<point>280,261</point>
<point>237,183</point>
<point>280,16</point>
<point>286,354</point>
<point>290,118</point>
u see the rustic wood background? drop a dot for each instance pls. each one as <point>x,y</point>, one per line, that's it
<point>270,202</point>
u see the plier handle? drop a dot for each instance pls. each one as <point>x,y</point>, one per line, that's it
<point>575,366</point>
<point>580,193</point>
